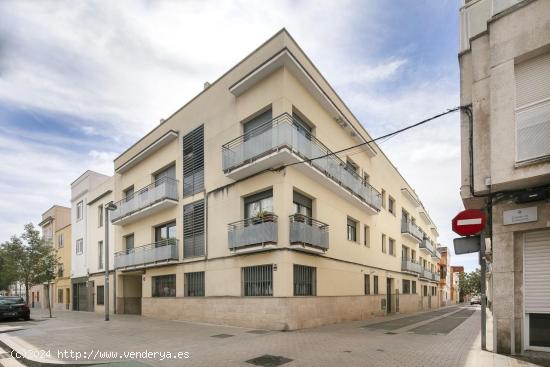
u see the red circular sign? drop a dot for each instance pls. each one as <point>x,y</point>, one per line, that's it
<point>469,222</point>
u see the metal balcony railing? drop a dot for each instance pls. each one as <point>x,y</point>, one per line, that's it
<point>259,230</point>
<point>161,189</point>
<point>427,245</point>
<point>435,277</point>
<point>409,227</point>
<point>435,253</point>
<point>410,265</point>
<point>148,254</point>
<point>425,273</point>
<point>283,132</point>
<point>308,231</point>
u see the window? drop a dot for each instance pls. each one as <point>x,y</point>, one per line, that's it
<point>425,289</point>
<point>194,284</point>
<point>129,242</point>
<point>413,288</point>
<point>413,255</point>
<point>164,286</point>
<point>406,286</point>
<point>129,193</point>
<point>60,240</point>
<point>305,281</point>
<point>60,270</point>
<point>351,166</point>
<point>367,284</point>
<point>434,291</point>
<point>383,198</point>
<point>37,296</point>
<point>79,210</point>
<point>100,216</point>
<point>165,233</point>
<point>383,243</point>
<point>366,178</point>
<point>392,247</point>
<point>366,236</point>
<point>79,246</point>
<point>375,279</point>
<point>168,173</point>
<point>255,205</point>
<point>303,127</point>
<point>405,252</point>
<point>352,230</point>
<point>302,204</point>
<point>60,296</point>
<point>391,205</point>
<point>100,295</point>
<point>193,229</point>
<point>532,108</point>
<point>100,255</point>
<point>193,162</point>
<point>257,280</point>
<point>262,120</point>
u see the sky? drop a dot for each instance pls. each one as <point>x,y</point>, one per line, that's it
<point>82,81</point>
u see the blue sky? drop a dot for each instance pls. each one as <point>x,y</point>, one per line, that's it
<point>81,81</point>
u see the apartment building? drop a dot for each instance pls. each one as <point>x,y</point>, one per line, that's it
<point>82,249</point>
<point>505,76</point>
<point>54,221</point>
<point>218,219</point>
<point>62,286</point>
<point>445,272</point>
<point>455,283</point>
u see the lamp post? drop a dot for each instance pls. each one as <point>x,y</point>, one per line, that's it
<point>108,207</point>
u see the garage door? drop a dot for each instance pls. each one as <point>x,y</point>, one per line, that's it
<point>537,287</point>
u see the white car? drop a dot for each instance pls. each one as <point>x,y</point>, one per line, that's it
<point>475,300</point>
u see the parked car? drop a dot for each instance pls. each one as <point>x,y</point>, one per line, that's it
<point>475,300</point>
<point>14,308</point>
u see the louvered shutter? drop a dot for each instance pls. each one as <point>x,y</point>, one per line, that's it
<point>193,161</point>
<point>193,229</point>
<point>536,271</point>
<point>533,108</point>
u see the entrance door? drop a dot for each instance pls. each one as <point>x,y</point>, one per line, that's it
<point>536,272</point>
<point>388,294</point>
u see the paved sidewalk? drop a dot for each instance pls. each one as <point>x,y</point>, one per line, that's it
<point>359,343</point>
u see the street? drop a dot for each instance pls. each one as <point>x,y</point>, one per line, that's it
<point>445,337</point>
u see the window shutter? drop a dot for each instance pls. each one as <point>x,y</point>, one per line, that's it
<point>193,161</point>
<point>536,271</point>
<point>193,229</point>
<point>533,108</point>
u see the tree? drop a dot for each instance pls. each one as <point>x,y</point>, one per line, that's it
<point>34,259</point>
<point>469,283</point>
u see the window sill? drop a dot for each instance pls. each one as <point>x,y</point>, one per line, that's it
<point>533,161</point>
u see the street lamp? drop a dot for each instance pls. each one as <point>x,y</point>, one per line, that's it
<point>108,207</point>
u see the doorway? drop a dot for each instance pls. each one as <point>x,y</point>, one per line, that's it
<point>389,303</point>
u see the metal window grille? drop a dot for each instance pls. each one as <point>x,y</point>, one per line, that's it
<point>194,284</point>
<point>79,246</point>
<point>60,296</point>
<point>305,280</point>
<point>406,286</point>
<point>100,295</point>
<point>164,286</point>
<point>193,161</point>
<point>367,284</point>
<point>193,229</point>
<point>413,287</point>
<point>375,278</point>
<point>257,280</point>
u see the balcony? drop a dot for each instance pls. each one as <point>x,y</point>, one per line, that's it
<point>308,234</point>
<point>426,274</point>
<point>436,255</point>
<point>411,266</point>
<point>253,234</point>
<point>280,142</point>
<point>411,230</point>
<point>151,199</point>
<point>435,277</point>
<point>161,251</point>
<point>427,246</point>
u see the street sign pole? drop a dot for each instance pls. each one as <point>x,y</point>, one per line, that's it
<point>483,265</point>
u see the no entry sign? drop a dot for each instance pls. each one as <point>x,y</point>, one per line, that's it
<point>469,222</point>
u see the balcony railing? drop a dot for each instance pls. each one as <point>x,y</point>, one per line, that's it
<point>410,265</point>
<point>162,189</point>
<point>408,227</point>
<point>435,277</point>
<point>427,245</point>
<point>426,274</point>
<point>164,250</point>
<point>259,230</point>
<point>308,231</point>
<point>283,132</point>
<point>436,254</point>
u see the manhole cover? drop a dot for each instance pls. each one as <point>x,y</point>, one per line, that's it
<point>390,333</point>
<point>222,336</point>
<point>258,331</point>
<point>269,361</point>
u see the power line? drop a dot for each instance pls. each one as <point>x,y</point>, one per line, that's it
<point>454,109</point>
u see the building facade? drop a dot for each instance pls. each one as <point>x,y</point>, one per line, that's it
<point>445,273</point>
<point>219,219</point>
<point>505,76</point>
<point>62,286</point>
<point>82,287</point>
<point>54,221</point>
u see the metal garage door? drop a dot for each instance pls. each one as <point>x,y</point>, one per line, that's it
<point>537,288</point>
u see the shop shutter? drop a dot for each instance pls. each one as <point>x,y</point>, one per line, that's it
<point>536,271</point>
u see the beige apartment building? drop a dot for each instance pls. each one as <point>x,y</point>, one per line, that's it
<point>62,286</point>
<point>54,225</point>
<point>445,276</point>
<point>505,76</point>
<point>219,219</point>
